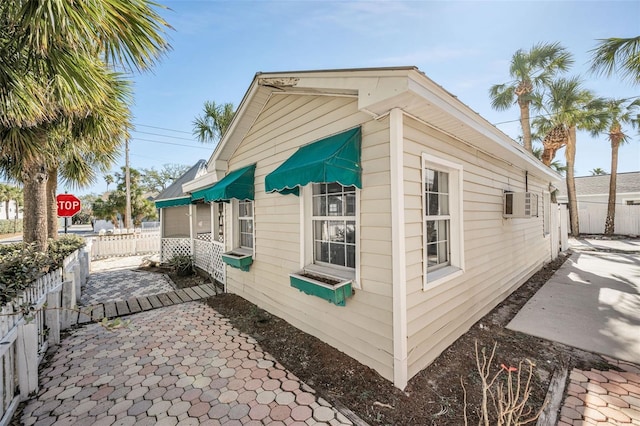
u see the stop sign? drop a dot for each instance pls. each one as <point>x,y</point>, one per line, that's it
<point>68,205</point>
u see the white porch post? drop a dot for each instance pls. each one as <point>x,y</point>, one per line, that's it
<point>192,224</point>
<point>214,227</point>
<point>400,334</point>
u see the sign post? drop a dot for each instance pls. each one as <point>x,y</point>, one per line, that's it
<point>68,206</point>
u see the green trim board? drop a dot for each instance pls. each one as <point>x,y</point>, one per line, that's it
<point>173,202</point>
<point>333,159</point>
<point>336,294</point>
<point>237,184</point>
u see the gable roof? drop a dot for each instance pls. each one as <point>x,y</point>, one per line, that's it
<point>628,182</point>
<point>378,91</point>
<point>175,189</point>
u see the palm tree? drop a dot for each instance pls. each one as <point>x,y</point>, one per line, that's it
<point>54,67</point>
<point>5,197</point>
<point>617,55</point>
<point>529,70</point>
<point>555,165</point>
<point>617,113</point>
<point>598,172</point>
<point>567,108</point>
<point>214,121</point>
<point>109,180</point>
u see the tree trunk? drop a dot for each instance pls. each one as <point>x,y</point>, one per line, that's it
<point>34,181</point>
<point>6,208</point>
<point>570,153</point>
<point>52,205</point>
<point>609,223</point>
<point>525,122</point>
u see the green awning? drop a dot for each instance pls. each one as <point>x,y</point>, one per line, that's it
<point>333,159</point>
<point>237,184</point>
<point>173,202</point>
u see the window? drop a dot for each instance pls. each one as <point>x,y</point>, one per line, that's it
<point>438,219</point>
<point>334,224</point>
<point>442,220</point>
<point>245,224</point>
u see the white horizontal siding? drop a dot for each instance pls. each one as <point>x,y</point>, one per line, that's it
<point>362,329</point>
<point>500,253</point>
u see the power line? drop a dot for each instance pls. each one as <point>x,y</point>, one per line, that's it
<point>165,136</point>
<point>549,114</point>
<point>176,144</point>
<point>161,128</point>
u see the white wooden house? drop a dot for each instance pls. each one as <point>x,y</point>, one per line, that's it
<point>374,210</point>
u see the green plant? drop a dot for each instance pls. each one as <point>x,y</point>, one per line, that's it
<point>182,264</point>
<point>21,263</point>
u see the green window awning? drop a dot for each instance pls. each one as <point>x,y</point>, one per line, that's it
<point>237,184</point>
<point>333,159</point>
<point>173,202</point>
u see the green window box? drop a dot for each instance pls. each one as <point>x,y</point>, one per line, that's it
<point>328,288</point>
<point>238,260</point>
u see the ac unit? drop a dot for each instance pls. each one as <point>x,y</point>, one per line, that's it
<point>519,205</point>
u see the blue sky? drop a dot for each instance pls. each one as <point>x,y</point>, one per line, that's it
<point>464,46</point>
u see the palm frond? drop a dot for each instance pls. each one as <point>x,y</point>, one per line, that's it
<point>617,55</point>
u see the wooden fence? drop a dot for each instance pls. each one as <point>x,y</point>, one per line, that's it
<point>146,242</point>
<point>593,216</point>
<point>27,328</point>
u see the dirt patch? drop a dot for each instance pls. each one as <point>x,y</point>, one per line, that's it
<point>434,396</point>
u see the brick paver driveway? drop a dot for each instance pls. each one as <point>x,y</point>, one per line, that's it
<point>179,365</point>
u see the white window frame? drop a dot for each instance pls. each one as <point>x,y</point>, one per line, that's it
<point>455,217</point>
<point>235,225</point>
<point>307,261</point>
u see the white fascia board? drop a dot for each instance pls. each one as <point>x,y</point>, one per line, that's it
<point>201,182</point>
<point>435,95</point>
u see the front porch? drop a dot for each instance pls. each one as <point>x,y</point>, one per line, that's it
<point>195,230</point>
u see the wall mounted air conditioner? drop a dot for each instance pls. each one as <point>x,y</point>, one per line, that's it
<point>519,205</point>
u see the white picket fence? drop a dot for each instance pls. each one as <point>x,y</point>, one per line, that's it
<point>27,328</point>
<point>593,216</point>
<point>132,244</point>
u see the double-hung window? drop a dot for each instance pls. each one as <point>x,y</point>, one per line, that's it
<point>438,218</point>
<point>245,224</point>
<point>334,225</point>
<point>442,220</point>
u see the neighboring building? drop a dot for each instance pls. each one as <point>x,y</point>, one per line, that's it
<point>592,194</point>
<point>388,190</point>
<point>12,210</point>
<point>595,189</point>
<point>173,204</point>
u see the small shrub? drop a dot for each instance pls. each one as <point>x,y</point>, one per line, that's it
<point>182,264</point>
<point>506,400</point>
<point>10,226</point>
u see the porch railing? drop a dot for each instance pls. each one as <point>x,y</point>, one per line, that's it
<point>207,255</point>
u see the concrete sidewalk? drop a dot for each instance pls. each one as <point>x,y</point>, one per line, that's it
<point>592,302</point>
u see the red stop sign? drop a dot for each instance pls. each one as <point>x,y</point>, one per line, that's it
<point>68,205</point>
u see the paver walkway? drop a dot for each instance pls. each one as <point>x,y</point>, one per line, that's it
<point>603,397</point>
<point>182,364</point>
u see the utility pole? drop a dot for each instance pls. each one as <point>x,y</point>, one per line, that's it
<point>127,180</point>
